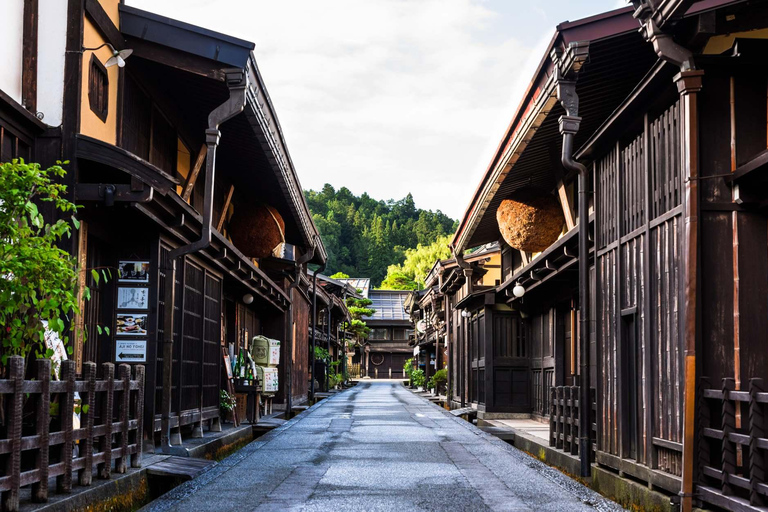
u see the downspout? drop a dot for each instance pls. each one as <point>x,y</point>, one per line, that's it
<point>237,82</point>
<point>569,126</point>
<point>290,331</point>
<point>688,83</point>
<point>314,322</point>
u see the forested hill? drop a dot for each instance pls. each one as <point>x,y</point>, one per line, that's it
<point>364,236</point>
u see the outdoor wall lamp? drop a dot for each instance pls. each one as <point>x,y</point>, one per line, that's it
<point>247,298</point>
<point>118,57</point>
<point>519,290</point>
<point>465,313</point>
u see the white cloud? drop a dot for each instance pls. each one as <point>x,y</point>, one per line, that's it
<point>384,96</point>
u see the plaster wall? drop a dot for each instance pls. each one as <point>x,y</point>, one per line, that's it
<point>90,124</point>
<point>12,14</point>
<point>51,45</point>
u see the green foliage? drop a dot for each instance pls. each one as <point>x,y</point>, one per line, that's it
<point>364,236</point>
<point>227,402</point>
<point>408,367</point>
<point>359,308</point>
<point>438,380</point>
<point>38,279</point>
<point>322,354</point>
<point>417,377</point>
<point>410,274</point>
<point>339,275</point>
<point>397,280</point>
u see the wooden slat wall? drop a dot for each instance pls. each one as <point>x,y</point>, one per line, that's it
<point>638,216</point>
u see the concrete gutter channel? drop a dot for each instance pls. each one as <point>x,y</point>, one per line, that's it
<point>138,487</point>
<point>604,483</point>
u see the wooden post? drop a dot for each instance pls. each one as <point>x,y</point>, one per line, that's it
<point>757,430</point>
<point>704,422</point>
<point>574,420</point>
<point>688,85</point>
<point>89,375</point>
<point>66,410</point>
<point>560,428</point>
<point>42,428</point>
<point>728,421</point>
<point>138,414</point>
<point>553,417</point>
<point>121,464</point>
<point>13,463</point>
<point>107,405</point>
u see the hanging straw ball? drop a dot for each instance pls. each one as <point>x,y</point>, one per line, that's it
<point>257,231</point>
<point>530,220</point>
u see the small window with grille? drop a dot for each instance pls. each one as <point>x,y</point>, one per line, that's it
<point>98,88</point>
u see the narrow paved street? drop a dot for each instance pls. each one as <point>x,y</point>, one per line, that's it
<point>379,447</point>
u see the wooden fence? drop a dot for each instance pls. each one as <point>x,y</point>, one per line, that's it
<point>39,442</point>
<point>733,445</point>
<point>564,419</point>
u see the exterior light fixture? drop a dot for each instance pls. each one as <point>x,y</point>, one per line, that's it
<point>118,57</point>
<point>518,291</point>
<point>247,298</point>
<point>465,313</point>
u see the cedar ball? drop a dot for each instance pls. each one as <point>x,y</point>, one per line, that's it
<point>530,220</point>
<point>256,232</point>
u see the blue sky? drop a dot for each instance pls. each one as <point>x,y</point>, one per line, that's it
<point>392,96</point>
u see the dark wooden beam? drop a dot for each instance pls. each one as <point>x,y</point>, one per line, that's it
<point>223,216</point>
<point>29,56</point>
<point>177,59</point>
<point>192,178</point>
<point>121,193</point>
<point>73,60</point>
<point>104,24</point>
<point>95,150</point>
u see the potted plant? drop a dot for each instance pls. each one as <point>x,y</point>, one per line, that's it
<point>227,404</point>
<point>437,381</point>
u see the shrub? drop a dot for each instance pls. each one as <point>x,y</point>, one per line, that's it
<point>438,380</point>
<point>38,279</point>
<point>418,378</point>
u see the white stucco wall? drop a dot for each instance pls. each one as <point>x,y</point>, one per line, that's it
<point>12,16</point>
<point>51,43</point>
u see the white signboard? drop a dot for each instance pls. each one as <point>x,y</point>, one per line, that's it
<point>131,351</point>
<point>416,351</point>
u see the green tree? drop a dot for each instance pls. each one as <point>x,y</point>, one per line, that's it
<point>364,236</point>
<point>38,279</point>
<point>418,262</point>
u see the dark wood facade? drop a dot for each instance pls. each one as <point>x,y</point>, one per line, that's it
<point>138,150</point>
<point>678,253</point>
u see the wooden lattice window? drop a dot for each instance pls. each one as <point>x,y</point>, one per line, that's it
<point>98,88</point>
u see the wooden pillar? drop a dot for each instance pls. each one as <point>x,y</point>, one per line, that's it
<point>688,85</point>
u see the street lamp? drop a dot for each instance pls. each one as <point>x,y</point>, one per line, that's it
<point>518,291</point>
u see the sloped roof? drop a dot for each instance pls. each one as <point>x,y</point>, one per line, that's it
<point>359,283</point>
<point>389,304</point>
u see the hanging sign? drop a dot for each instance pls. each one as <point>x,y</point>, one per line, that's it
<point>131,351</point>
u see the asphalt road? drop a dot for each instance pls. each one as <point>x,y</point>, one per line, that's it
<point>376,447</point>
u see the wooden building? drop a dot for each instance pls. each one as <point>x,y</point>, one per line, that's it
<point>179,161</point>
<point>384,353</point>
<point>327,329</point>
<point>669,123</point>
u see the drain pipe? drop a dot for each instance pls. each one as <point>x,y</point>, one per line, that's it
<point>569,126</point>
<point>314,326</point>
<point>237,82</point>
